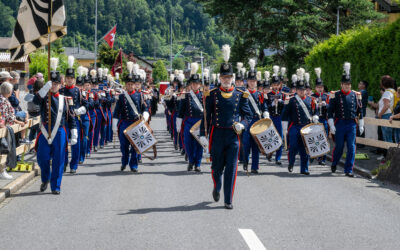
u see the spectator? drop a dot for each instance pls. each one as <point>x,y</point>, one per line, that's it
<point>4,76</point>
<point>34,110</point>
<point>385,106</point>
<point>396,116</point>
<point>31,81</point>
<point>362,87</point>
<point>7,115</point>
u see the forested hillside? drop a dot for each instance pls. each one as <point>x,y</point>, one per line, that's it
<point>143,26</point>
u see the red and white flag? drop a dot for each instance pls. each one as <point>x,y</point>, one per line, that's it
<point>117,67</point>
<point>110,37</point>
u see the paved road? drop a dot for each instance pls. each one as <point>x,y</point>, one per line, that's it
<point>164,207</point>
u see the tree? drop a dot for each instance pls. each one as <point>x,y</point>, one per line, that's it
<point>107,55</point>
<point>160,72</point>
<point>178,63</point>
<point>290,27</point>
<point>7,21</point>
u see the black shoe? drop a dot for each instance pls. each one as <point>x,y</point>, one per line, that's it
<point>322,163</point>
<point>182,152</point>
<point>305,173</point>
<point>269,157</point>
<point>245,166</point>
<point>333,169</point>
<point>186,157</point>
<point>254,171</point>
<point>134,170</point>
<point>278,163</point>
<point>101,146</point>
<point>43,186</point>
<point>140,161</point>
<point>81,162</point>
<point>228,206</point>
<point>88,156</point>
<point>176,147</point>
<point>95,149</point>
<point>197,169</point>
<point>73,171</point>
<point>215,195</point>
<point>190,167</point>
<point>123,167</point>
<point>65,168</point>
<point>290,168</point>
<point>350,175</point>
<point>56,192</point>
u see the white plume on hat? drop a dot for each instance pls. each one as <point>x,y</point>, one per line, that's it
<point>258,75</point>
<point>71,61</point>
<point>239,66</point>
<point>117,76</point>
<point>252,64</point>
<point>85,71</point>
<point>143,74</point>
<point>283,71</point>
<point>294,78</point>
<point>80,70</point>
<point>180,71</point>
<point>233,76</point>
<point>172,77</point>
<point>218,75</point>
<point>206,73</point>
<point>300,74</point>
<point>346,68</point>
<point>93,73</point>
<point>54,63</point>
<point>276,70</point>
<point>307,77</point>
<point>136,69</point>
<point>100,72</point>
<point>194,67</point>
<point>266,75</point>
<point>181,77</point>
<point>105,70</point>
<point>243,70</point>
<point>214,77</point>
<point>176,72</point>
<point>129,67</point>
<point>318,72</point>
<point>226,52</point>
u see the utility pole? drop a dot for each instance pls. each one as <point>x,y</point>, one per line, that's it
<point>202,69</point>
<point>171,48</point>
<point>338,19</point>
<point>95,41</point>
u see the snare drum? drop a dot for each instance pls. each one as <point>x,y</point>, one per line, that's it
<point>315,140</point>
<point>266,136</point>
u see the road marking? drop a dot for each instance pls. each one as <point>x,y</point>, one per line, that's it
<point>252,240</point>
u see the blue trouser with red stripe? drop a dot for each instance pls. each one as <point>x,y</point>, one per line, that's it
<point>277,120</point>
<point>97,129</point>
<point>325,123</point>
<point>109,134</point>
<point>173,125</point>
<point>84,136</point>
<point>129,155</point>
<point>296,145</point>
<point>345,131</point>
<point>93,119</point>
<point>75,149</point>
<point>193,149</point>
<point>249,143</point>
<point>224,151</point>
<point>54,152</point>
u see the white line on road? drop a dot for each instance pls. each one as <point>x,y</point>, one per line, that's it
<point>252,240</point>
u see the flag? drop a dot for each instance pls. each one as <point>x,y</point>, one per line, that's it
<point>110,36</point>
<point>34,26</point>
<point>117,67</point>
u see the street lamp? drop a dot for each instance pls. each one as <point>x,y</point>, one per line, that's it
<point>338,18</point>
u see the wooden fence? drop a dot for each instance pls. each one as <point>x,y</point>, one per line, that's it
<point>377,143</point>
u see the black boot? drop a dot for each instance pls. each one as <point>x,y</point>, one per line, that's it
<point>333,169</point>
<point>228,206</point>
<point>245,166</point>
<point>197,169</point>
<point>290,169</point>
<point>305,173</point>
<point>269,157</point>
<point>123,167</point>
<point>215,195</point>
<point>254,171</point>
<point>186,157</point>
<point>43,186</point>
<point>73,171</point>
<point>278,163</point>
<point>190,167</point>
<point>56,192</point>
<point>350,175</point>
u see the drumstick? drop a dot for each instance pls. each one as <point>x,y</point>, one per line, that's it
<point>205,124</point>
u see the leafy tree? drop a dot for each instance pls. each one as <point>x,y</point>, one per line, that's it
<point>178,63</point>
<point>107,55</point>
<point>6,20</point>
<point>160,72</point>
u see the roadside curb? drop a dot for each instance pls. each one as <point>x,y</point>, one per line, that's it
<point>18,183</point>
<point>358,170</point>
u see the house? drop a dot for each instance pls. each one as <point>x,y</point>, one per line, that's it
<point>82,56</point>
<point>21,64</point>
<point>143,63</point>
<point>388,7</point>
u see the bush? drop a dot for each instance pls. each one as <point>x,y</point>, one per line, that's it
<point>372,51</point>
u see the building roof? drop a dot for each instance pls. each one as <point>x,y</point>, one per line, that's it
<point>79,53</point>
<point>389,5</point>
<point>5,57</point>
<point>4,43</point>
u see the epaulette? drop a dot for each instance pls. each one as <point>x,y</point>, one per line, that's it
<point>358,95</point>
<point>332,94</point>
<point>207,93</point>
<point>245,93</point>
<point>287,101</point>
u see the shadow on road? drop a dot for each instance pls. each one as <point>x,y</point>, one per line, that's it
<point>186,208</point>
<point>34,193</point>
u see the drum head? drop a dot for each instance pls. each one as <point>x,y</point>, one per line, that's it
<point>260,126</point>
<point>312,128</point>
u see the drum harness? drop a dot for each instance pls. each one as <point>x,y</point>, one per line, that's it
<point>303,106</point>
<point>255,107</point>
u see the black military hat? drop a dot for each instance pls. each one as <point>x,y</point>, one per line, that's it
<point>137,78</point>
<point>266,84</point>
<point>275,79</point>
<point>260,83</point>
<point>93,79</point>
<point>129,78</point>
<point>318,81</point>
<point>252,75</point>
<point>70,72</point>
<point>226,69</point>
<point>300,84</point>
<point>239,76</point>
<point>86,79</point>
<point>206,82</point>
<point>346,78</point>
<point>55,76</point>
<point>105,78</point>
<point>195,78</point>
<point>79,80</point>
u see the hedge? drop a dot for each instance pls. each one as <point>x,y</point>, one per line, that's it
<point>372,52</point>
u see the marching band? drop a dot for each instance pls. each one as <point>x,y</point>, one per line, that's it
<point>222,117</point>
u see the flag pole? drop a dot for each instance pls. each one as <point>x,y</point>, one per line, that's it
<point>48,68</point>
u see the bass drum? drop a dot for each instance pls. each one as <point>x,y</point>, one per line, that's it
<point>266,136</point>
<point>141,137</point>
<point>315,140</point>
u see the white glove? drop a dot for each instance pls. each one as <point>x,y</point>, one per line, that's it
<point>266,114</point>
<point>146,116</point>
<point>332,126</point>
<point>103,94</point>
<point>204,141</point>
<point>80,111</point>
<point>74,136</point>
<point>284,126</point>
<point>239,127</point>
<point>178,124</point>
<point>361,125</point>
<point>43,91</point>
<point>315,119</point>
<point>115,124</point>
<point>84,94</point>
